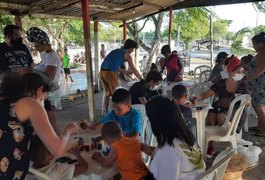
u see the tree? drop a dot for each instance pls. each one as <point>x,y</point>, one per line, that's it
<point>194,23</point>
<point>258,29</point>
<point>220,29</point>
<point>5,20</point>
<point>259,6</point>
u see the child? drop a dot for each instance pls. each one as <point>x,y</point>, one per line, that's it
<point>142,90</point>
<point>180,93</point>
<point>245,61</point>
<point>125,153</point>
<point>129,119</point>
<point>42,161</point>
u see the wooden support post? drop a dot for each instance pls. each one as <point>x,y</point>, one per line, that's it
<point>90,89</point>
<point>124,31</point>
<point>18,21</point>
<point>170,25</point>
<point>96,56</point>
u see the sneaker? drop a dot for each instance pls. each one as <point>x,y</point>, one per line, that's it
<point>210,152</point>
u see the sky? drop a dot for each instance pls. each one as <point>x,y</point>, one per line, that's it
<point>242,15</point>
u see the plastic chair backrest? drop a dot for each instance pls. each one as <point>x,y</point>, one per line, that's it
<point>217,171</point>
<point>199,69</point>
<point>243,99</point>
<point>204,75</point>
<point>39,175</point>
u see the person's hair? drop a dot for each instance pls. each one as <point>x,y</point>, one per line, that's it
<point>11,85</point>
<point>153,67</point>
<point>111,130</point>
<point>153,75</point>
<point>130,44</point>
<point>102,45</point>
<point>165,49</point>
<point>32,82</point>
<point>247,59</point>
<point>9,29</point>
<point>220,56</point>
<point>167,122</point>
<point>259,38</point>
<point>37,150</point>
<point>121,95</point>
<point>178,91</point>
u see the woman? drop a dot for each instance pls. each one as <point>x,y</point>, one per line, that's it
<point>176,156</point>
<point>220,61</point>
<point>225,89</point>
<point>256,78</point>
<point>50,62</point>
<point>20,116</point>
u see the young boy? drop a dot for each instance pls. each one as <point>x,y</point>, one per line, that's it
<point>180,93</point>
<point>43,161</point>
<point>125,153</point>
<point>142,90</point>
<point>129,119</point>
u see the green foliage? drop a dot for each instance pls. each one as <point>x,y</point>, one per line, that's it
<point>259,6</point>
<point>220,29</point>
<point>236,47</point>
<point>194,23</point>
<point>258,29</point>
<point>5,20</point>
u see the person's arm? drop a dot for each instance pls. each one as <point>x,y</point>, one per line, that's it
<point>149,150</point>
<point>205,95</point>
<point>136,126</point>
<point>259,69</point>
<point>142,100</point>
<point>132,67</point>
<point>82,165</point>
<point>109,160</point>
<point>28,108</point>
<point>51,71</point>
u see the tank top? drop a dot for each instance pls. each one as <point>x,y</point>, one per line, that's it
<point>129,161</point>
<point>14,139</point>
<point>114,60</point>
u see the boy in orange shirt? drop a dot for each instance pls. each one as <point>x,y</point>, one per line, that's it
<point>125,153</point>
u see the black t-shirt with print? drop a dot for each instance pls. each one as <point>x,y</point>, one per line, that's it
<point>14,58</point>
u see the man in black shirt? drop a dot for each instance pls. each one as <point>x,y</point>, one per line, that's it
<point>14,55</point>
<point>140,90</point>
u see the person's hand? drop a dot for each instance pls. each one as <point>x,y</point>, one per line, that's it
<point>194,100</point>
<point>75,151</point>
<point>96,139</point>
<point>96,155</point>
<point>129,72</point>
<point>92,126</point>
<point>70,128</point>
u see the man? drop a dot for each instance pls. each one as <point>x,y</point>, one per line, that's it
<point>103,52</point>
<point>66,66</point>
<point>111,66</point>
<point>14,55</point>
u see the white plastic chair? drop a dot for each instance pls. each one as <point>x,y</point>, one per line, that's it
<point>215,133</point>
<point>217,171</point>
<point>198,70</point>
<point>204,75</point>
<point>37,175</point>
<point>141,109</point>
<point>199,88</point>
